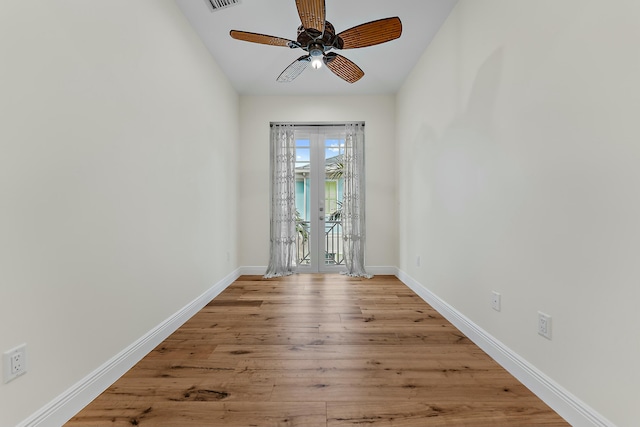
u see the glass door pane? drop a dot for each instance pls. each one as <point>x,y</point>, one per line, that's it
<point>333,187</point>
<point>303,201</point>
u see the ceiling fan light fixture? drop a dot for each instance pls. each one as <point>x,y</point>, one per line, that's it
<point>316,56</point>
<point>316,63</point>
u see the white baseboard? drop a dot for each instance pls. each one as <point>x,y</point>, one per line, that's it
<point>381,270</point>
<point>253,271</point>
<point>69,403</point>
<point>572,409</point>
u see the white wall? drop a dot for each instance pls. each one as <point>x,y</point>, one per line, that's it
<point>118,148</point>
<point>378,113</point>
<point>518,149</point>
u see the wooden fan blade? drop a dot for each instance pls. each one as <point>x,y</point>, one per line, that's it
<point>371,33</point>
<point>260,38</point>
<point>294,69</point>
<point>312,14</point>
<point>343,68</point>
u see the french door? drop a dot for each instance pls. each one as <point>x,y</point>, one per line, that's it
<point>319,187</point>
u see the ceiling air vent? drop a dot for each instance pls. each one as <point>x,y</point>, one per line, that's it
<point>215,5</point>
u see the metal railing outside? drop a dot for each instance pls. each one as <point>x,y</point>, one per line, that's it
<point>333,244</point>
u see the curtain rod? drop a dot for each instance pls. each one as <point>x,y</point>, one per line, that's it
<point>315,124</point>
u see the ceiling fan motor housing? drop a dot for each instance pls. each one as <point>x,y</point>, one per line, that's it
<point>310,39</point>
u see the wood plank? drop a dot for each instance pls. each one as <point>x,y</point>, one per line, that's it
<point>411,414</point>
<point>455,390</point>
<point>198,414</point>
<point>462,365</point>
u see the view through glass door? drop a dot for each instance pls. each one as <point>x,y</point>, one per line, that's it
<point>319,187</point>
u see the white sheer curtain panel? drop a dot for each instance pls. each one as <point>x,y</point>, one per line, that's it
<point>282,258</point>
<point>353,217</point>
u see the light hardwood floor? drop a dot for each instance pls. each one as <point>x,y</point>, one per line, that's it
<point>317,350</point>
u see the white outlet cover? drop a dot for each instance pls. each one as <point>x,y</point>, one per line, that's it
<point>544,325</point>
<point>18,354</point>
<point>495,300</point>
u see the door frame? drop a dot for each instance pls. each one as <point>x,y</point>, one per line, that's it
<point>317,135</point>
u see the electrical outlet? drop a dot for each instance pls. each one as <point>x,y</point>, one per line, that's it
<point>418,261</point>
<point>544,325</point>
<point>495,300</point>
<point>15,362</point>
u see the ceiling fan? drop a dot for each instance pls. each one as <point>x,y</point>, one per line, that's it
<point>317,37</point>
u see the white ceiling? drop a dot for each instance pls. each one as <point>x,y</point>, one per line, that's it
<point>253,68</point>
